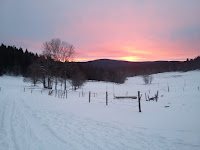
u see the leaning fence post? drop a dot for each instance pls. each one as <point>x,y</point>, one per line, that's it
<point>106,98</point>
<point>139,98</point>
<point>89,96</point>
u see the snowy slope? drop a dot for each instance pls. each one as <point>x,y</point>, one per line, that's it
<point>37,121</point>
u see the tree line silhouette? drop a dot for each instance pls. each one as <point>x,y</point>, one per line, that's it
<point>14,60</point>
<point>52,67</point>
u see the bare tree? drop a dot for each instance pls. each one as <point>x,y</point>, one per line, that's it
<point>48,54</point>
<point>67,54</point>
<point>42,71</point>
<point>56,50</point>
<point>34,73</point>
<point>78,78</point>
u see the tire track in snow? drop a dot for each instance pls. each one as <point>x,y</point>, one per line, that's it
<point>55,135</point>
<point>42,124</point>
<point>3,109</point>
<point>12,127</point>
<point>3,115</point>
<point>28,139</point>
<point>3,133</point>
<point>96,133</point>
<point>68,135</point>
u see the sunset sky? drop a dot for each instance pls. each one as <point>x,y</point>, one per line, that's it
<point>132,30</point>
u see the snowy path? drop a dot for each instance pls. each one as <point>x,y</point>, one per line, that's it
<point>23,127</point>
<point>31,122</point>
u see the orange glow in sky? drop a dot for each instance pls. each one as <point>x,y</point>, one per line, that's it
<point>131,58</point>
<point>131,30</point>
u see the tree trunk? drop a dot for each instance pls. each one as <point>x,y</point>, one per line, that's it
<point>49,83</point>
<point>44,82</point>
<point>65,86</point>
<point>56,83</point>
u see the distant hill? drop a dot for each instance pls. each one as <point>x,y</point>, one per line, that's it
<point>109,63</point>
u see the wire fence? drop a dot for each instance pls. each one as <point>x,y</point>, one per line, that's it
<point>109,98</point>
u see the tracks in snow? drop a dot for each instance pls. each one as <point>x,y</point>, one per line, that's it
<point>24,127</point>
<point>14,138</point>
<point>3,132</point>
<point>73,132</point>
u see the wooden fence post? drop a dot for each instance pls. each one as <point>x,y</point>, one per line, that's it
<point>89,96</point>
<point>146,97</point>
<point>168,88</point>
<point>66,94</point>
<point>106,98</point>
<point>157,96</point>
<point>139,98</point>
<point>198,88</point>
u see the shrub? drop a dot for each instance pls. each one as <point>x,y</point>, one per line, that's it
<point>147,79</point>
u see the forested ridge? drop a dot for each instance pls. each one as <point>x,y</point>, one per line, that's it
<point>16,61</point>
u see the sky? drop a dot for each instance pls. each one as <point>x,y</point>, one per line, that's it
<point>131,30</point>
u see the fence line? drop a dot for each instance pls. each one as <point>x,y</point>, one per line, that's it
<point>109,97</point>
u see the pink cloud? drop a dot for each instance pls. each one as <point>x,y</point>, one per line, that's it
<point>115,29</point>
<point>146,29</point>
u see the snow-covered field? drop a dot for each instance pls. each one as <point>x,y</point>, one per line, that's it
<point>37,121</point>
